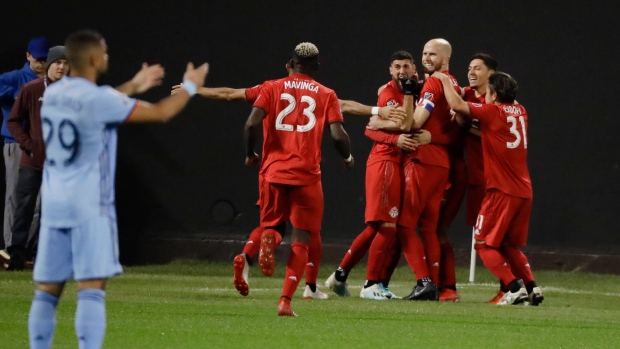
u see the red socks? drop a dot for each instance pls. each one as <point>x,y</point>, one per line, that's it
<point>495,262</point>
<point>447,271</point>
<point>253,245</point>
<point>358,248</point>
<point>378,255</point>
<point>315,249</point>
<point>414,252</point>
<point>294,268</point>
<point>518,263</point>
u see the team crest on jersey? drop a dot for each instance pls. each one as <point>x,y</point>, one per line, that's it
<point>394,212</point>
<point>428,95</point>
<point>391,102</point>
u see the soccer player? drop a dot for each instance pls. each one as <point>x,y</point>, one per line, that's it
<point>78,238</point>
<point>479,70</point>
<point>293,112</point>
<point>383,194</point>
<point>502,224</point>
<point>24,123</point>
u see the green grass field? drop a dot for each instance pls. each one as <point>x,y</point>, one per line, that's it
<point>193,304</point>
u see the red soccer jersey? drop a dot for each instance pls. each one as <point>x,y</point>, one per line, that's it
<point>251,94</point>
<point>390,95</point>
<point>473,144</point>
<point>504,146</point>
<point>297,110</point>
<point>439,122</point>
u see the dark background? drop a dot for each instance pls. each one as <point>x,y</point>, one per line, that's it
<point>186,178</point>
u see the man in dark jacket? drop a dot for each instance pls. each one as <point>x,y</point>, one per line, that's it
<point>24,123</point>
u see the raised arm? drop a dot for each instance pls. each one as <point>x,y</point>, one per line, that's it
<point>148,77</point>
<point>172,105</point>
<point>355,108</point>
<point>454,100</point>
<point>342,142</point>
<point>217,93</point>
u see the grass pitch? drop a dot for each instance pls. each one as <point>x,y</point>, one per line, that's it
<point>193,304</point>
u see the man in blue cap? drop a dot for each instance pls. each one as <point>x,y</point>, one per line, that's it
<point>10,84</point>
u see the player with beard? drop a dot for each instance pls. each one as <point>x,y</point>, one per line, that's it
<point>383,191</point>
<point>426,169</point>
<point>502,224</point>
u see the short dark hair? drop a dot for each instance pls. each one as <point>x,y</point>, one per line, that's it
<point>399,55</point>
<point>488,61</point>
<point>77,43</point>
<point>505,86</point>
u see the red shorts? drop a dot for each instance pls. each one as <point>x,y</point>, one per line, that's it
<point>503,218</point>
<point>423,188</point>
<point>261,179</point>
<point>454,196</point>
<point>301,205</point>
<point>383,183</point>
<point>475,195</point>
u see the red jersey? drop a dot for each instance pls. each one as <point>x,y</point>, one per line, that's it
<point>439,123</point>
<point>473,144</point>
<point>390,95</point>
<point>504,145</point>
<point>251,94</point>
<point>297,110</point>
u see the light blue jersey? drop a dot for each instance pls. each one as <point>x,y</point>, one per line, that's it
<point>79,122</point>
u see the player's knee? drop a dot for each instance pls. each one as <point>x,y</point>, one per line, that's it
<point>54,289</point>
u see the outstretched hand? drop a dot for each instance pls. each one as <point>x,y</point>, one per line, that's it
<point>196,75</point>
<point>148,77</point>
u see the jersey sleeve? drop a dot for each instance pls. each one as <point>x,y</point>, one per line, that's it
<point>263,100</point>
<point>387,98</point>
<point>382,136</point>
<point>334,114</point>
<point>111,106</point>
<point>481,112</point>
<point>251,94</point>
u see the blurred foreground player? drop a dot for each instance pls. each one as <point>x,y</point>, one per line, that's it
<point>502,224</point>
<point>78,238</point>
<point>293,112</point>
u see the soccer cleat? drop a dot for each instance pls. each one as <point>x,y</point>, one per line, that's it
<point>373,292</point>
<point>242,272</point>
<point>387,293</point>
<point>535,297</point>
<point>308,294</point>
<point>429,292</point>
<point>266,258</point>
<point>339,288</point>
<point>497,297</point>
<point>448,295</point>
<point>510,298</point>
<point>284,308</point>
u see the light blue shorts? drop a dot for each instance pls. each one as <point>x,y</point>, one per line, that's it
<point>88,251</point>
